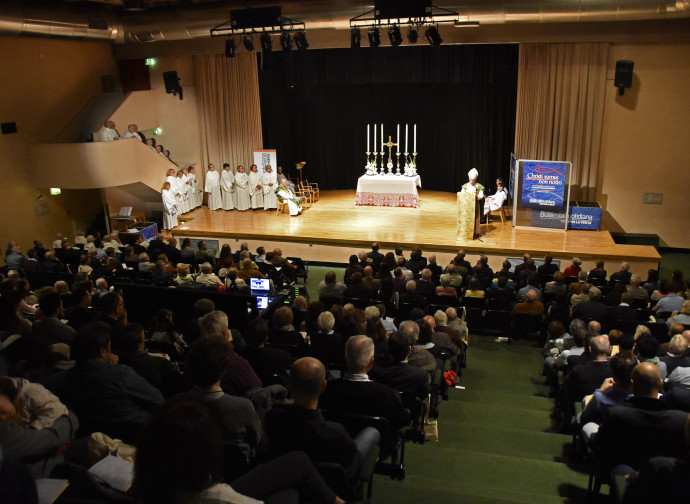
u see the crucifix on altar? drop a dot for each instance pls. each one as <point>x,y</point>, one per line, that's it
<point>389,165</point>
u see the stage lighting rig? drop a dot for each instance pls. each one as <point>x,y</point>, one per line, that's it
<point>394,35</point>
<point>301,40</point>
<point>355,38</point>
<point>412,36</point>
<point>266,43</point>
<point>374,37</point>
<point>286,41</point>
<point>433,36</point>
<point>248,42</point>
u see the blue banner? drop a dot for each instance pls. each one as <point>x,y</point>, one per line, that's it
<point>587,218</point>
<point>543,185</point>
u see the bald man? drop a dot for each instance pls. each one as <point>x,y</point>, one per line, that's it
<point>642,428</point>
<point>303,427</point>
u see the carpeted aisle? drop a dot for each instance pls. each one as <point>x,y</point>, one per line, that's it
<point>496,441</point>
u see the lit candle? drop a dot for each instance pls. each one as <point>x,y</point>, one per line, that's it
<point>415,138</point>
<point>374,137</point>
<point>381,137</point>
<point>397,141</point>
<point>368,138</point>
<point>406,138</point>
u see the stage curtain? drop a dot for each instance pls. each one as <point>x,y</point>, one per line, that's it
<point>230,115</point>
<point>316,105</point>
<point>560,108</point>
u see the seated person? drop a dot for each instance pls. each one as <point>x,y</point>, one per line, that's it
<point>191,468</point>
<point>327,345</point>
<point>239,377</point>
<point>558,286</point>
<point>156,369</point>
<point>265,361</point>
<point>474,289</point>
<point>356,393</point>
<point>38,448</point>
<point>208,277</point>
<point>585,378</point>
<point>412,382</point>
<point>612,392</point>
<point>284,333</point>
<point>206,365</point>
<point>495,201</point>
<point>356,289</point>
<point>302,427</point>
<point>107,397</point>
<point>445,289</point>
<point>330,288</point>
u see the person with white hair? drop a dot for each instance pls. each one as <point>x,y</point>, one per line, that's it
<point>208,277</point>
<point>473,187</point>
<point>283,192</point>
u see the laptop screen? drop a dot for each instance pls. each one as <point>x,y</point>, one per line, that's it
<point>259,284</point>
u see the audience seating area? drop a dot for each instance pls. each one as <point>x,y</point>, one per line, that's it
<point>414,316</point>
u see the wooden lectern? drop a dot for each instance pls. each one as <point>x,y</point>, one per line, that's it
<point>466,202</point>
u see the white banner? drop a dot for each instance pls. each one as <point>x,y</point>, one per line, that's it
<point>263,158</point>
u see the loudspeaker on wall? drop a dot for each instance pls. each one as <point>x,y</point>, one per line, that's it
<point>624,75</point>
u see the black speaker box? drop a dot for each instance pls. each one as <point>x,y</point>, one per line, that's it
<point>624,73</point>
<point>172,84</point>
<point>8,127</point>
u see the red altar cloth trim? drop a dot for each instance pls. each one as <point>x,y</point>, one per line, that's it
<point>387,199</point>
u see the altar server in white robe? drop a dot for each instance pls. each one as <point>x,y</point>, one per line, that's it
<point>227,187</point>
<point>182,186</point>
<point>169,207</point>
<point>294,203</point>
<point>174,188</point>
<point>212,187</point>
<point>242,189</point>
<point>187,178</point>
<point>269,184</point>
<point>256,195</point>
<point>495,201</point>
<point>196,192</point>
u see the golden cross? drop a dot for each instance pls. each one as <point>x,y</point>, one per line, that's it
<point>390,145</point>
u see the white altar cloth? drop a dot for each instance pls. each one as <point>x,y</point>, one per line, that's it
<point>388,190</point>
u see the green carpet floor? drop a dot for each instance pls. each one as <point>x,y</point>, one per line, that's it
<point>496,442</point>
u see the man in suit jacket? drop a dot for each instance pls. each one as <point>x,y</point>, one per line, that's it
<point>411,296</point>
<point>623,311</point>
<point>356,393</point>
<point>424,285</point>
<point>356,289</point>
<point>593,308</point>
<point>622,275</point>
<point>643,427</point>
<point>375,256</point>
<point>411,381</point>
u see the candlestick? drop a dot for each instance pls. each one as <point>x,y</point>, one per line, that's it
<point>406,139</point>
<point>415,138</point>
<point>381,137</point>
<point>368,140</point>
<point>397,140</point>
<point>374,137</point>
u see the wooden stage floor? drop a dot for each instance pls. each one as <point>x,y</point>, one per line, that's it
<point>334,220</point>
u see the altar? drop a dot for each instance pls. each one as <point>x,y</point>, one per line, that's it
<point>388,190</point>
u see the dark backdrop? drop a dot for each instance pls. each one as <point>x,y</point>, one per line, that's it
<point>315,106</point>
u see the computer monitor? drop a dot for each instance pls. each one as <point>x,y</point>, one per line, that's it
<point>259,286</point>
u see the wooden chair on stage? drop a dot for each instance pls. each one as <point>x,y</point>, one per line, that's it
<point>282,206</point>
<point>308,190</point>
<point>501,213</point>
<point>314,187</point>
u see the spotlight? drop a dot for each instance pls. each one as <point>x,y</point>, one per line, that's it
<point>433,36</point>
<point>230,48</point>
<point>394,35</point>
<point>355,38</point>
<point>374,37</point>
<point>285,41</point>
<point>412,36</point>
<point>301,40</point>
<point>266,43</point>
<point>248,43</point>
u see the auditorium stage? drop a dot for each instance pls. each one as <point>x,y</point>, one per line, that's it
<point>334,227</point>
